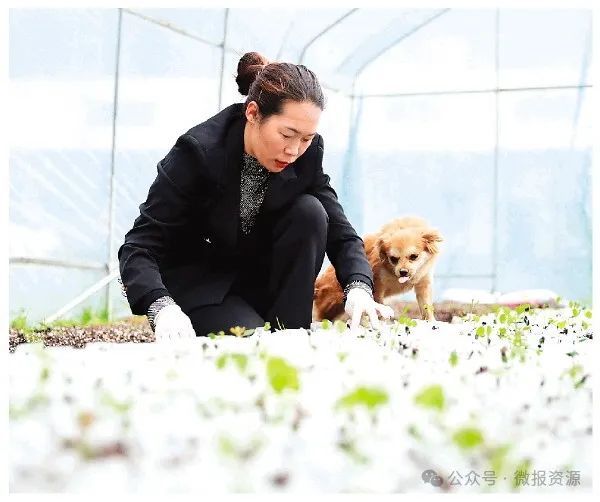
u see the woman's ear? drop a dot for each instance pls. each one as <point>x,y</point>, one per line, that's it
<point>430,238</point>
<point>252,114</point>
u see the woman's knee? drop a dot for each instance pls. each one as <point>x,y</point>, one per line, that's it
<point>309,214</point>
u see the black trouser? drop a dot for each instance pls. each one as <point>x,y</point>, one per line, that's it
<point>276,276</point>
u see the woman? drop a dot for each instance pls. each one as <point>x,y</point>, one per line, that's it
<point>237,222</point>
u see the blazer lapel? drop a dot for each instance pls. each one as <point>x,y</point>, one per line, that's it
<point>225,216</point>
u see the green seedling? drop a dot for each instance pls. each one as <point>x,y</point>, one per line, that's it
<point>431,397</point>
<point>369,397</point>
<point>240,360</point>
<point>279,324</point>
<point>467,438</point>
<point>340,326</point>
<point>349,447</point>
<point>282,375</point>
<point>326,324</point>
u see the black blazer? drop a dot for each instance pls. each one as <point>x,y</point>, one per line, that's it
<point>189,223</point>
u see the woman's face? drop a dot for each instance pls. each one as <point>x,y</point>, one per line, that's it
<point>280,139</point>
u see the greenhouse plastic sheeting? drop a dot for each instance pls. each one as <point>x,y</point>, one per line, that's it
<point>478,120</point>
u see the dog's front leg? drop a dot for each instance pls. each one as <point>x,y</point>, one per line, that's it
<point>423,292</point>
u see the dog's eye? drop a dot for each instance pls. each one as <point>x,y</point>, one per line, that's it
<point>393,259</point>
<point>413,257</point>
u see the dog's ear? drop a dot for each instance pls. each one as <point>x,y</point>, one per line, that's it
<point>382,246</point>
<point>430,238</point>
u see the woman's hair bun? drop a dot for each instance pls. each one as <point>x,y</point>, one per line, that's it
<point>248,67</point>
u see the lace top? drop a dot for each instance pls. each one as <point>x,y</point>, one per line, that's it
<point>253,186</point>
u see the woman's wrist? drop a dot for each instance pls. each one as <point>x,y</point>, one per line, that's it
<point>156,306</point>
<point>357,284</point>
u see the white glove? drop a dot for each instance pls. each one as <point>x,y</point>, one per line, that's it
<point>358,302</point>
<point>171,323</point>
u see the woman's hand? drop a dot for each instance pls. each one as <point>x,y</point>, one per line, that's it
<point>172,324</point>
<point>359,302</point>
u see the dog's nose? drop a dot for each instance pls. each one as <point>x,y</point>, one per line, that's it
<point>403,272</point>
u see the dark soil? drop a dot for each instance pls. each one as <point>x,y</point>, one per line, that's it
<point>132,329</point>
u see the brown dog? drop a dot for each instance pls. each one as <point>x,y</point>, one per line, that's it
<point>401,255</point>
